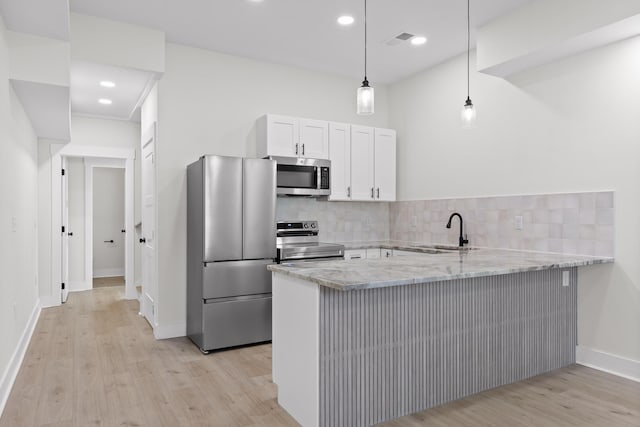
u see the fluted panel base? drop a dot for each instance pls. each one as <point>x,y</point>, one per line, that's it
<point>388,352</point>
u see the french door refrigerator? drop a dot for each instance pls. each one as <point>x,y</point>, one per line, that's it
<point>231,238</point>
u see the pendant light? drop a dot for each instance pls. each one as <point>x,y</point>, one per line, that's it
<point>365,96</point>
<point>469,112</point>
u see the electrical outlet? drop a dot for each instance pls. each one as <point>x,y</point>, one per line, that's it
<point>519,223</point>
<point>14,224</point>
<point>565,278</point>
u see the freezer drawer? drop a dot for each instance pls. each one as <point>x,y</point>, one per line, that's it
<point>236,322</point>
<point>236,278</point>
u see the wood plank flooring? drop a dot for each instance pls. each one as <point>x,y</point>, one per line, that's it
<point>94,361</point>
<point>106,282</point>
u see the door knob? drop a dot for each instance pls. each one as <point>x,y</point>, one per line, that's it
<point>123,231</point>
<point>108,241</point>
<point>70,233</point>
<point>143,240</point>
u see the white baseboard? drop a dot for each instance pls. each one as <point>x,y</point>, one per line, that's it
<point>50,301</point>
<point>616,365</point>
<point>79,285</point>
<point>10,374</point>
<point>108,272</point>
<point>174,330</point>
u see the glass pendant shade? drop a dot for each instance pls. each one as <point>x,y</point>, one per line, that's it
<point>365,99</point>
<point>469,114</point>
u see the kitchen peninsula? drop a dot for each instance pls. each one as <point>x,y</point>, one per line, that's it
<point>359,342</point>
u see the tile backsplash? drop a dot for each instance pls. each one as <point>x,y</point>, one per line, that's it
<point>572,223</point>
<point>338,221</point>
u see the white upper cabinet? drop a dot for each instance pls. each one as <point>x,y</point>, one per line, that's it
<point>362,163</point>
<point>314,139</point>
<point>277,136</point>
<point>292,137</point>
<point>385,164</point>
<point>340,156</point>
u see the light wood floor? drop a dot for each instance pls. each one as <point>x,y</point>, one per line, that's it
<point>106,282</point>
<point>94,361</point>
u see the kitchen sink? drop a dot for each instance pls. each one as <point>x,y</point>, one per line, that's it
<point>440,248</point>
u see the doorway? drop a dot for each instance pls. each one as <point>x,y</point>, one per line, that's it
<point>108,227</point>
<point>95,192</point>
<point>94,211</point>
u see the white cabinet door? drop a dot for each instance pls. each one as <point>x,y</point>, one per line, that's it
<point>385,164</point>
<point>314,139</point>
<point>355,254</point>
<point>340,156</point>
<point>278,136</point>
<point>362,157</point>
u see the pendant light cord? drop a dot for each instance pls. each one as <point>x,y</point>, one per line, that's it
<point>468,45</point>
<point>365,40</point>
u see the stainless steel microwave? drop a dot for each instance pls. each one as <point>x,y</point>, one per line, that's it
<point>302,177</point>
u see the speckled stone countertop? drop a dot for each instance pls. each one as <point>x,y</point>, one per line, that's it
<point>426,267</point>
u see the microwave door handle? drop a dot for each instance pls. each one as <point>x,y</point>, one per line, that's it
<point>318,177</point>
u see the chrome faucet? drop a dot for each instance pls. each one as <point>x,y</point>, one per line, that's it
<point>461,240</point>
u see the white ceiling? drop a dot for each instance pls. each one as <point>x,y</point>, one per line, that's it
<point>305,33</point>
<point>131,85</point>
<point>46,18</point>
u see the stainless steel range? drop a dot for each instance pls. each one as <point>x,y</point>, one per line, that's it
<point>298,241</point>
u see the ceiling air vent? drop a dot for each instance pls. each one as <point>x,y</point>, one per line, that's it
<point>400,38</point>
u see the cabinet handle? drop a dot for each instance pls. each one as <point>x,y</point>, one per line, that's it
<point>303,149</point>
<point>378,192</point>
<point>296,149</point>
<point>349,191</point>
<point>372,193</point>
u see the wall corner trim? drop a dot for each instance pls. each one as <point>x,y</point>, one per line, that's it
<point>172,330</point>
<point>11,372</point>
<point>610,363</point>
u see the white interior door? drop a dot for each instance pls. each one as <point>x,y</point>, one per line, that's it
<point>65,231</point>
<point>149,280</point>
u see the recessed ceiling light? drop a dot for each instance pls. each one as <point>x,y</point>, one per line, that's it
<point>105,101</point>
<point>256,1</point>
<point>418,40</point>
<point>346,20</point>
<point>107,83</point>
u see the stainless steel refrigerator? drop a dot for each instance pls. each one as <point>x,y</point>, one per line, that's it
<point>231,238</point>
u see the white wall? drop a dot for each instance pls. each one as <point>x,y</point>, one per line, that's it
<point>208,104</point>
<point>76,180</point>
<point>569,126</point>
<point>18,224</point>
<point>108,221</point>
<point>88,132</point>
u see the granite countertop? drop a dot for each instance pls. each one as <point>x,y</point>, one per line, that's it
<point>426,267</point>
